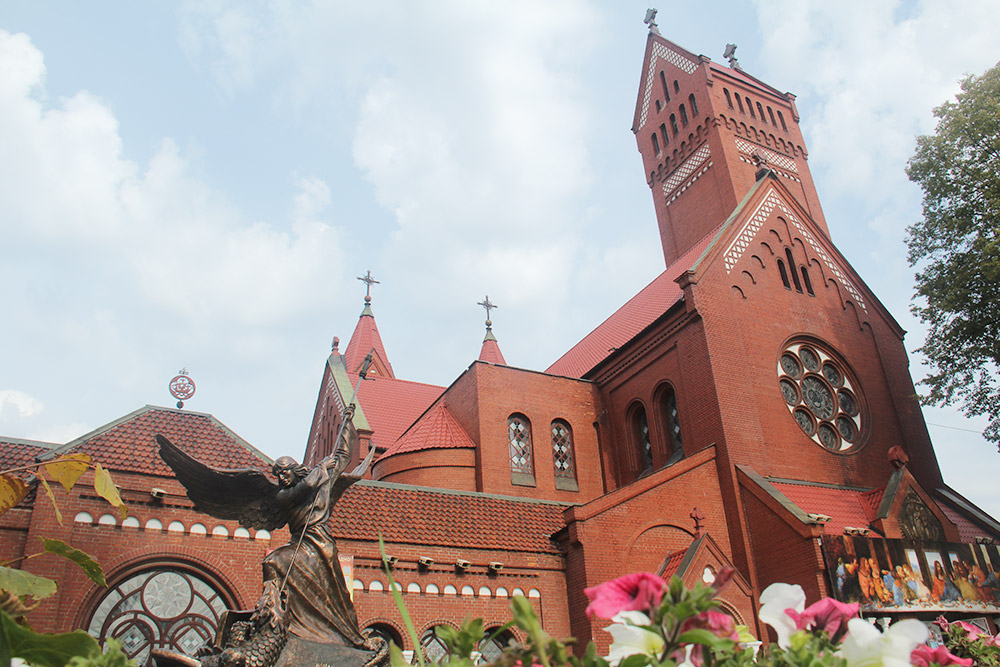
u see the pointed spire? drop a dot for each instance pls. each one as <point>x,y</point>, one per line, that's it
<point>490,351</point>
<point>367,338</point>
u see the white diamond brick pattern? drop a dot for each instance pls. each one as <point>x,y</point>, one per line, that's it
<point>672,57</point>
<point>748,148</point>
<point>686,169</point>
<point>753,225</point>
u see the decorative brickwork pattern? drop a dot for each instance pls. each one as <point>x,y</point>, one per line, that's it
<point>753,225</point>
<point>660,51</point>
<point>773,159</point>
<point>685,170</point>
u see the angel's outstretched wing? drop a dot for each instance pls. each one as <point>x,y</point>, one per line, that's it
<point>247,496</point>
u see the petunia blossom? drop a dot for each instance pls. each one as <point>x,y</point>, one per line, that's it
<point>827,615</point>
<point>865,646</point>
<point>630,638</point>
<point>776,601</point>
<point>639,591</point>
<point>718,623</point>
<point>925,656</point>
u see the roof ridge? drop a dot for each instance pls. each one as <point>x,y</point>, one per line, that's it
<point>455,492</point>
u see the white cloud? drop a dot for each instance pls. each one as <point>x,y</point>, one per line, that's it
<point>17,402</point>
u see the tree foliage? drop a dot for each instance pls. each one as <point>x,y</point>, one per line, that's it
<point>956,248</point>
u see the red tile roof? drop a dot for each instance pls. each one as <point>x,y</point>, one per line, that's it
<point>128,444</point>
<point>845,507</point>
<point>15,452</point>
<point>436,429</point>
<point>367,339</point>
<point>672,564</point>
<point>392,405</point>
<point>625,323</point>
<point>491,353</point>
<point>419,515</point>
<point>968,530</point>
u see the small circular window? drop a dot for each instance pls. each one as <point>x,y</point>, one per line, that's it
<point>820,395</point>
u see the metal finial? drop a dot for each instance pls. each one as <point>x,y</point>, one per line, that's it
<point>182,387</point>
<point>485,303</point>
<point>368,280</point>
<point>650,20</point>
<point>699,521</point>
<point>730,55</point>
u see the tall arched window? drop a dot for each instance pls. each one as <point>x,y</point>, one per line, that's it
<point>562,456</point>
<point>760,112</point>
<point>641,438</point>
<point>386,632</point>
<point>433,646</point>
<point>492,646</point>
<point>522,469</point>
<point>694,105</point>
<point>663,80</point>
<point>671,424</point>
<point>684,116</point>
<point>663,135</point>
<point>656,144</point>
<point>673,124</point>
<point>162,608</point>
<point>782,120</point>
<point>739,102</point>
<point>750,108</point>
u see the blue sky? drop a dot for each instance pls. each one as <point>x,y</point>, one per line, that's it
<point>198,185</point>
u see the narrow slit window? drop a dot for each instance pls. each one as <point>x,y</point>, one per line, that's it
<point>673,124</point>
<point>663,135</point>
<point>750,108</point>
<point>677,86</point>
<point>562,456</point>
<point>739,102</point>
<point>770,112</point>
<point>684,116</point>
<point>782,120</point>
<point>656,144</point>
<point>671,420</point>
<point>729,98</point>
<point>522,468</point>
<point>807,282</point>
<point>784,274</point>
<point>644,446</point>
<point>791,267</point>
<point>760,112</point>
<point>694,105</point>
<point>666,91</point>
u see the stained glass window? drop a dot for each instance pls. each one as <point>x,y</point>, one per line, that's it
<point>519,439</point>
<point>562,449</point>
<point>821,395</point>
<point>160,608</point>
<point>640,429</point>
<point>673,425</point>
<point>433,647</point>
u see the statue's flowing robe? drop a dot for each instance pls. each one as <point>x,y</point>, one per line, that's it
<point>319,606</point>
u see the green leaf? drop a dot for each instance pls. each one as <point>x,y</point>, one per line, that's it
<point>21,583</point>
<point>635,660</point>
<point>398,598</point>
<point>105,487</point>
<point>45,650</point>
<point>90,566</point>
<point>701,636</point>
<point>396,656</point>
<point>55,505</point>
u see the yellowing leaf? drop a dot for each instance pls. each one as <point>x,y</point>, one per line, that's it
<point>55,505</point>
<point>12,491</point>
<point>21,583</point>
<point>81,558</point>
<point>105,487</point>
<point>45,650</point>
<point>68,469</point>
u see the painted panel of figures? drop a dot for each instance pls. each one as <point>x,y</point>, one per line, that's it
<point>909,575</point>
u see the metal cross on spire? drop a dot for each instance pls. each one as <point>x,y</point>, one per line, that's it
<point>485,303</point>
<point>368,280</point>
<point>650,20</point>
<point>730,55</point>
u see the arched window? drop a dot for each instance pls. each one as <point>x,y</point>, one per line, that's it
<point>739,103</point>
<point>522,469</point>
<point>671,424</point>
<point>663,135</point>
<point>165,608</point>
<point>673,124</point>
<point>729,98</point>
<point>385,631</point>
<point>806,281</point>
<point>760,112</point>
<point>433,646</point>
<point>656,144</point>
<point>694,105</point>
<point>495,642</point>
<point>640,436</point>
<point>663,80</point>
<point>684,116</point>
<point>781,119</point>
<point>677,86</point>
<point>562,456</point>
<point>770,113</point>
<point>750,107</point>
<point>791,268</point>
<point>784,274</point>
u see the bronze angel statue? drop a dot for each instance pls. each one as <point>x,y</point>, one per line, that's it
<point>305,595</point>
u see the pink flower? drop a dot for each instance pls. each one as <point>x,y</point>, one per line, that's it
<point>723,577</point>
<point>971,631</point>
<point>828,615</point>
<point>639,591</point>
<point>716,622</point>
<point>925,656</point>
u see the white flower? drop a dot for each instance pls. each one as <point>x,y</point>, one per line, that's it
<point>775,599</point>
<point>865,646</point>
<point>630,639</point>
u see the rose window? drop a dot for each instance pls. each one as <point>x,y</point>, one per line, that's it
<point>821,396</point>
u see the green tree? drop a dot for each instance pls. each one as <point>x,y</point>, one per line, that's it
<point>956,249</point>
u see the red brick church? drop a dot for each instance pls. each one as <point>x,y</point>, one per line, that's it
<point>752,406</point>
